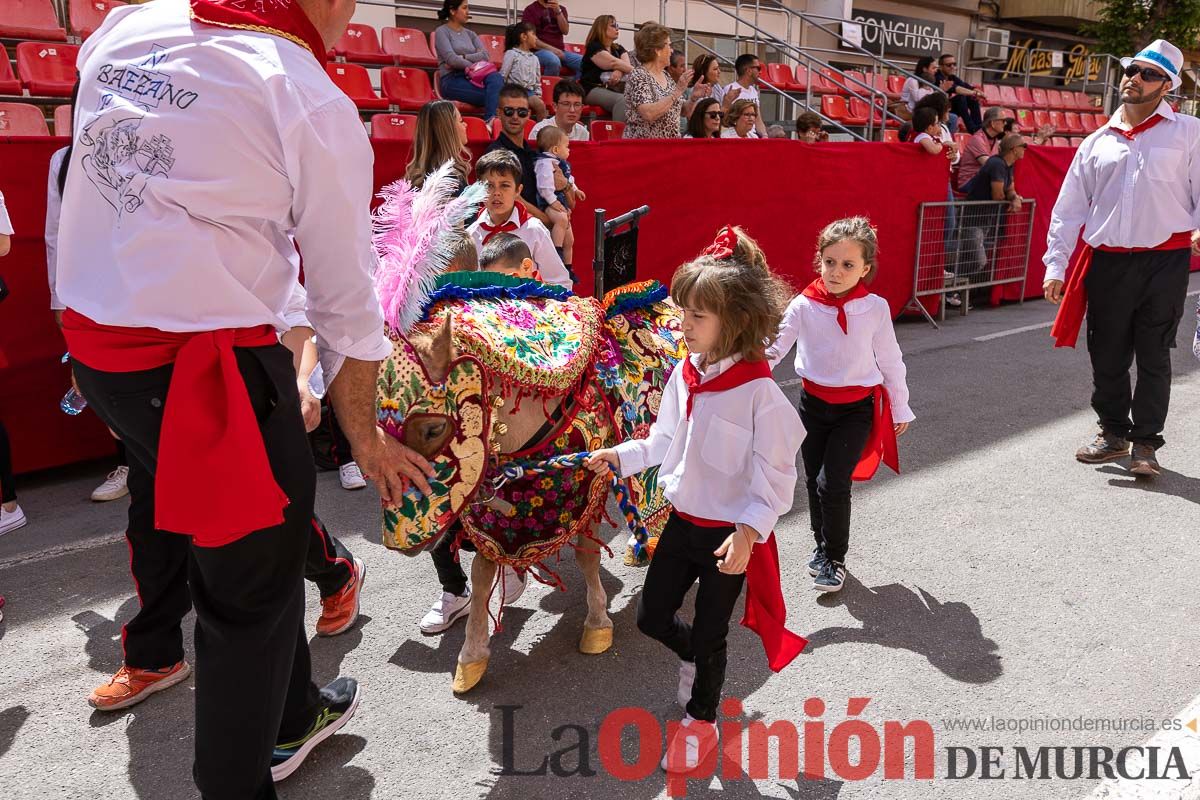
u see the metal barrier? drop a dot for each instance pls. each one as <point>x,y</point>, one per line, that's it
<point>966,245</point>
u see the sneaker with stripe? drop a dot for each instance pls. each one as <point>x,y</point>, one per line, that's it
<point>339,700</point>
<point>814,563</point>
<point>830,577</point>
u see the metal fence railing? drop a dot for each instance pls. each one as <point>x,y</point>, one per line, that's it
<point>968,245</point>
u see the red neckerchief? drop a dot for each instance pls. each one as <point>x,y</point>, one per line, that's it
<point>507,227</point>
<point>214,479</point>
<point>1145,125</point>
<point>817,292</point>
<point>741,372</point>
<point>283,18</point>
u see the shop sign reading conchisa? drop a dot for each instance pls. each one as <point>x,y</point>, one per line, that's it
<point>1054,59</point>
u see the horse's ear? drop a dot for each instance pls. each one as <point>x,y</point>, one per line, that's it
<point>442,348</point>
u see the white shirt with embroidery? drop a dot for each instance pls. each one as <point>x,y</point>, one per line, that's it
<point>198,150</point>
<point>867,354</point>
<point>733,461</point>
<point>534,234</point>
<point>1126,193</point>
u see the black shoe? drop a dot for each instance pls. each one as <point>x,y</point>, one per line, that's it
<point>818,558</point>
<point>831,576</point>
<point>339,700</point>
<point>1144,462</point>
<point>1105,447</point>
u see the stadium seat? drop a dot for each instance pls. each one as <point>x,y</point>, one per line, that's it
<point>477,130</point>
<point>961,139</point>
<point>1025,120</point>
<point>62,120</point>
<point>356,83</point>
<point>361,43</point>
<point>47,70</point>
<point>87,15</point>
<point>1088,121</point>
<point>895,84</point>
<point>1056,100</point>
<point>1059,121</point>
<point>405,87</point>
<point>1073,122</point>
<point>891,136</point>
<point>22,119</point>
<point>883,83</point>
<point>800,79</point>
<point>603,130</point>
<point>8,81</point>
<point>1084,103</point>
<point>494,44</point>
<point>1100,119</point>
<point>1060,141</point>
<point>1076,141</point>
<point>463,108</point>
<point>30,19</point>
<point>836,83</point>
<point>853,75</point>
<point>1041,118</point>
<point>398,127</point>
<point>835,107</point>
<point>1024,97</point>
<point>1039,98</point>
<point>991,95</point>
<point>780,76</point>
<point>408,48</point>
<point>861,109</point>
<point>1008,97</point>
<point>575,48</point>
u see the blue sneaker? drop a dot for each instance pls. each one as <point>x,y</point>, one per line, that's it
<point>814,563</point>
<point>339,700</point>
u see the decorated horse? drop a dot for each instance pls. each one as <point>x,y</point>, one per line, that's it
<point>505,385</point>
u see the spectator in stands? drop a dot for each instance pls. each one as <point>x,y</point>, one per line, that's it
<point>522,67</point>
<point>747,67</point>
<point>554,148</point>
<point>514,112</point>
<point>605,67</point>
<point>994,182</point>
<point>441,136</point>
<point>919,84</point>
<point>500,171</point>
<point>676,66</point>
<point>706,82</point>
<point>940,104</point>
<point>927,128</point>
<point>983,144</point>
<point>741,120</point>
<point>810,127</point>
<point>777,132</point>
<point>964,98</point>
<point>550,23</point>
<point>568,106</point>
<point>705,122</point>
<point>459,50</point>
<point>652,100</point>
<point>11,515</point>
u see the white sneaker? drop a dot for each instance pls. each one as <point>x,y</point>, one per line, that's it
<point>514,585</point>
<point>687,676</point>
<point>11,520</point>
<point>699,739</point>
<point>445,612</point>
<point>351,476</point>
<point>114,486</point>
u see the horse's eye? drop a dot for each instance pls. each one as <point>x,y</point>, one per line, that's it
<point>434,431</point>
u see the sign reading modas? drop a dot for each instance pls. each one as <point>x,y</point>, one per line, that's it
<point>888,34</point>
<point>1056,60</point>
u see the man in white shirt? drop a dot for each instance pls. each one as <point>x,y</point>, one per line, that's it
<point>205,133</point>
<point>568,107</point>
<point>1134,189</point>
<point>745,87</point>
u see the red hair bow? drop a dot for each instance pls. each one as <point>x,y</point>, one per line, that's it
<point>722,246</point>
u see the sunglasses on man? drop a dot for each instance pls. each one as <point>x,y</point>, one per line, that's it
<point>520,112</point>
<point>1148,75</point>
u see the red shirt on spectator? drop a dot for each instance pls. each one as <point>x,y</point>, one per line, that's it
<point>545,22</point>
<point>979,145</point>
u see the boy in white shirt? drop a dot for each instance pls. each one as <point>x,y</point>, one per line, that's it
<point>500,171</point>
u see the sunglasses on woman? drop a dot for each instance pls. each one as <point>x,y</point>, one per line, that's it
<point>1148,75</point>
<point>713,114</point>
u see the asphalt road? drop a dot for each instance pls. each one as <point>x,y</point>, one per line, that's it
<point>996,578</point>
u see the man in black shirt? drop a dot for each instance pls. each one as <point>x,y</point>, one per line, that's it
<point>513,114</point>
<point>964,98</point>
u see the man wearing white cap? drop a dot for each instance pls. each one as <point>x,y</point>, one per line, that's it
<point>1134,189</point>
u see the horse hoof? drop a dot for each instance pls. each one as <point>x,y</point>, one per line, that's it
<point>595,640</point>
<point>466,676</point>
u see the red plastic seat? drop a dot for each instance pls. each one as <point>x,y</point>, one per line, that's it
<point>397,127</point>
<point>991,95</point>
<point>356,83</point>
<point>477,130</point>
<point>408,47</point>
<point>1088,121</point>
<point>405,87</point>
<point>361,43</point>
<point>780,76</point>
<point>575,48</point>
<point>1039,98</point>
<point>883,83</point>
<point>836,108</point>
<point>853,75</point>
<point>1041,118</point>
<point>604,130</point>
<point>833,82</point>
<point>800,79</point>
<point>1059,141</point>
<point>1025,120</point>
<point>895,86</point>
<point>47,70</point>
<point>22,119</point>
<point>1024,97</point>
<point>961,139</point>
<point>1008,97</point>
<point>1100,118</point>
<point>8,81</point>
<point>88,15</point>
<point>891,136</point>
<point>463,108</point>
<point>1073,122</point>
<point>1076,141</point>
<point>493,44</point>
<point>1059,121</point>
<point>62,120</point>
<point>1083,102</point>
<point>861,109</point>
<point>1056,100</point>
<point>30,19</point>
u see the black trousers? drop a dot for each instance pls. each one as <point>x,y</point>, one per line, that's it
<point>8,489</point>
<point>253,683</point>
<point>1135,303</point>
<point>340,449</point>
<point>449,571</point>
<point>836,434</point>
<point>684,556</point>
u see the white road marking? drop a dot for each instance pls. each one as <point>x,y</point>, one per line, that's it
<point>1188,742</point>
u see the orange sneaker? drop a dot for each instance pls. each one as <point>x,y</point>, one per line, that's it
<point>131,686</point>
<point>340,611</point>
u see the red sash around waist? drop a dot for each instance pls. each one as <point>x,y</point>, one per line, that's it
<point>881,443</point>
<point>213,480</point>
<point>1073,308</point>
<point>766,612</point>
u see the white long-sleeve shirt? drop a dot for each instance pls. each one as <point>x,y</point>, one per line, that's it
<point>198,150</point>
<point>534,234</point>
<point>733,461</point>
<point>543,170</point>
<point>867,354</point>
<point>53,212</point>
<point>6,228</point>
<point>1126,193</point>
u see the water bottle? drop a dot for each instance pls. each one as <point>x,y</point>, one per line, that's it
<point>73,403</point>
